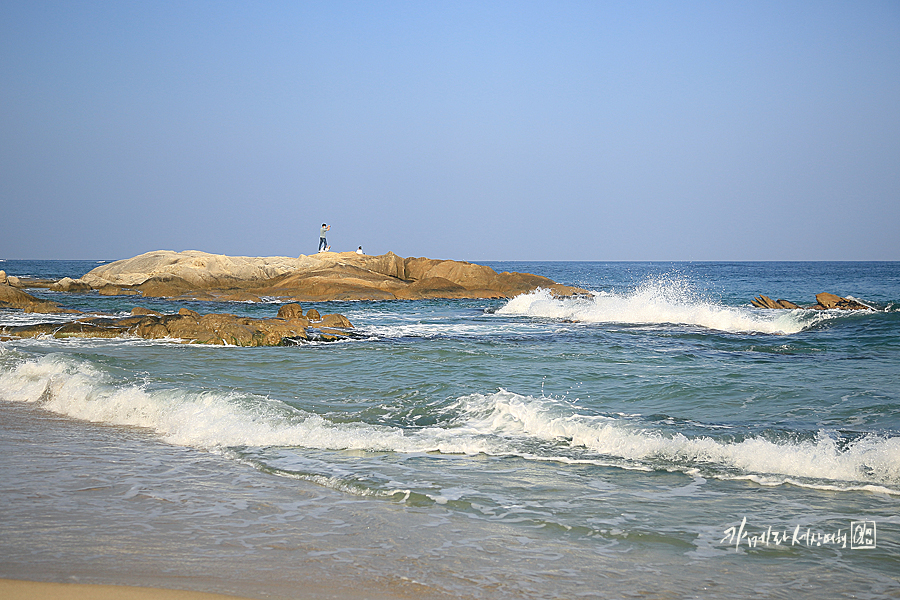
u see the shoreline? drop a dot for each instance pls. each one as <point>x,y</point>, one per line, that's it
<point>24,589</point>
<point>20,589</point>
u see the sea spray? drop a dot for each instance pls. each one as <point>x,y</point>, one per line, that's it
<point>659,302</point>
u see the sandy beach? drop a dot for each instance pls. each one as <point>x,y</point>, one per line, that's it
<point>14,589</point>
<point>17,589</point>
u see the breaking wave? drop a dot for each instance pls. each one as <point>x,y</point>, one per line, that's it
<point>501,423</point>
<point>658,302</point>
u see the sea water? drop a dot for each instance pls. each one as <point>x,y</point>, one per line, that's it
<point>660,437</point>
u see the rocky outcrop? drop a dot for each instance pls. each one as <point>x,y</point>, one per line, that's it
<point>824,301</point>
<point>190,326</point>
<point>766,302</point>
<point>318,277</point>
<point>12,297</point>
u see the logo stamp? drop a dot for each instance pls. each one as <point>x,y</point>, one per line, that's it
<point>862,535</point>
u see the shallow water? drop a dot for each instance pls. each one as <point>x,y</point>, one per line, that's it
<point>622,444</point>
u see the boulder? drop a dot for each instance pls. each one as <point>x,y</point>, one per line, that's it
<point>826,301</point>
<point>2,277</point>
<point>290,311</point>
<point>335,321</point>
<point>67,284</point>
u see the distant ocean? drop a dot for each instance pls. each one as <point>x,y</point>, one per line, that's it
<point>662,438</point>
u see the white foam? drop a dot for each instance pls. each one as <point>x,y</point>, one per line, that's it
<point>871,459</point>
<point>75,388</point>
<point>502,423</point>
<point>661,301</point>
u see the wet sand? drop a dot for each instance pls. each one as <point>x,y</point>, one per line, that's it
<point>14,589</point>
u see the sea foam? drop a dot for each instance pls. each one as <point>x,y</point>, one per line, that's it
<point>500,423</point>
<point>206,419</point>
<point>871,459</point>
<point>661,301</point>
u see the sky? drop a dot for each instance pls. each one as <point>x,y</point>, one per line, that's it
<point>563,130</point>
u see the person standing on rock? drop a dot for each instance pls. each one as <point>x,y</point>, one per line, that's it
<point>323,243</point>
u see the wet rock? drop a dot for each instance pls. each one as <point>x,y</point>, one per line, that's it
<point>766,302</point>
<point>824,301</point>
<point>12,297</point>
<point>191,326</point>
<point>334,321</point>
<point>290,311</point>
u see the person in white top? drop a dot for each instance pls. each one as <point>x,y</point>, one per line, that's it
<point>359,250</point>
<point>323,244</point>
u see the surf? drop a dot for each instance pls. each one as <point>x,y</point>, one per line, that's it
<point>662,301</point>
<point>502,423</point>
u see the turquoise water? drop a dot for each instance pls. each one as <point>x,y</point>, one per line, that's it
<point>662,437</point>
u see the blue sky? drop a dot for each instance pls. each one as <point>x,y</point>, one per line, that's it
<point>465,130</point>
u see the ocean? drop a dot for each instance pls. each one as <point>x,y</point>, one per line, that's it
<point>662,438</point>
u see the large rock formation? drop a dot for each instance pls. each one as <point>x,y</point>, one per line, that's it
<point>190,326</point>
<point>317,277</point>
<point>824,301</point>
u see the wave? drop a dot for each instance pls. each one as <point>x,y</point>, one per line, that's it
<point>205,419</point>
<point>500,424</point>
<point>662,301</point>
<point>869,459</point>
